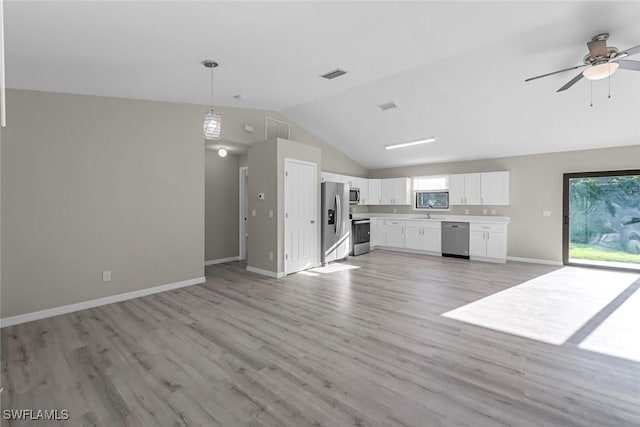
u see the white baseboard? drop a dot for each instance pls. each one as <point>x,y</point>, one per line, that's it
<point>534,260</point>
<point>222,260</point>
<point>265,272</point>
<point>56,311</point>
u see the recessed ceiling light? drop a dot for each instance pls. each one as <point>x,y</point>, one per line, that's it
<point>387,106</point>
<point>409,144</point>
<point>222,152</point>
<point>333,74</point>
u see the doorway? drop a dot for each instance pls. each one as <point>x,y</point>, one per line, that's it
<point>300,217</point>
<point>601,212</point>
<point>243,211</point>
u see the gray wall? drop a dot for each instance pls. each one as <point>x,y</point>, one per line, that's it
<point>221,205</point>
<point>234,119</point>
<point>92,184</point>
<point>536,185</point>
<point>262,228</point>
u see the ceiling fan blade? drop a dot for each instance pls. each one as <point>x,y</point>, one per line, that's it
<point>631,51</point>
<point>571,82</point>
<point>555,72</point>
<point>629,65</point>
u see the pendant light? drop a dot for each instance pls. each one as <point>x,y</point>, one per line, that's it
<point>212,121</point>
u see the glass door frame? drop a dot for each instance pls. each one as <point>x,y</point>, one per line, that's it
<point>565,215</point>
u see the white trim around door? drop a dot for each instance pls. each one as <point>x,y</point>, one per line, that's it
<point>243,183</point>
<point>300,215</point>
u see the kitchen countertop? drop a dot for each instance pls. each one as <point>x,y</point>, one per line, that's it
<point>436,217</point>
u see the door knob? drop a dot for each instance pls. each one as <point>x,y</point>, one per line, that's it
<point>313,221</point>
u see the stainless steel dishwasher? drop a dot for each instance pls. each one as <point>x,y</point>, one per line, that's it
<point>455,239</point>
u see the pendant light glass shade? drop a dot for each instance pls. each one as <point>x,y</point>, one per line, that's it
<point>212,125</point>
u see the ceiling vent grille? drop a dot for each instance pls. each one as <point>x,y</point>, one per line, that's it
<point>388,106</point>
<point>333,74</point>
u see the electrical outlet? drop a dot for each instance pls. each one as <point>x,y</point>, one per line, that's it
<point>546,213</point>
<point>466,211</point>
<point>106,276</point>
<point>484,211</point>
<point>270,213</point>
<point>261,196</point>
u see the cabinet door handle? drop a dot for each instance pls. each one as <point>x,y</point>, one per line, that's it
<point>483,233</point>
<point>488,235</point>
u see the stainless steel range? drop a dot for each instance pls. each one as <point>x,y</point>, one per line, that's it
<point>360,236</point>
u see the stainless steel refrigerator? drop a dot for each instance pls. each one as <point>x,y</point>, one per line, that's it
<point>336,228</point>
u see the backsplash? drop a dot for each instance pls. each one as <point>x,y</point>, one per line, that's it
<point>455,210</point>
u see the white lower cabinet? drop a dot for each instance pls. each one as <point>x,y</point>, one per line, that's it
<point>488,241</point>
<point>394,233</point>
<point>376,232</point>
<point>423,236</point>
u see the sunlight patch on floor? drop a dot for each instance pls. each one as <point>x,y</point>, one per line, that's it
<point>549,308</point>
<point>333,268</point>
<point>619,334</point>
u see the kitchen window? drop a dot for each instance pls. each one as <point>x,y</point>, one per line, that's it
<point>431,192</point>
<point>431,200</point>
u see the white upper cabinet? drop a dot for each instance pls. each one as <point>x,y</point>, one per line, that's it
<point>464,189</point>
<point>386,192</point>
<point>395,191</point>
<point>495,188</point>
<point>375,192</point>
<point>487,188</point>
<point>456,189</point>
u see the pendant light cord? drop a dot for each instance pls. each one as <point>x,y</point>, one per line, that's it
<point>591,94</point>
<point>609,97</point>
<point>211,88</point>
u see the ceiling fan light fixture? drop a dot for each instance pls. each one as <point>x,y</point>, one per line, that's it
<point>601,71</point>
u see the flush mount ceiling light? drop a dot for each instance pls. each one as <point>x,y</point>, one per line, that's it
<point>409,144</point>
<point>212,120</point>
<point>222,152</point>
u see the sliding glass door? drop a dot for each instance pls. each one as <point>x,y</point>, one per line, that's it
<point>602,219</point>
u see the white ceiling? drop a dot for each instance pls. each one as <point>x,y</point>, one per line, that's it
<point>456,70</point>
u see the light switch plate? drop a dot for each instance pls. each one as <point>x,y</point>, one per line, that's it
<point>106,276</point>
<point>484,211</point>
<point>546,213</point>
<point>253,212</point>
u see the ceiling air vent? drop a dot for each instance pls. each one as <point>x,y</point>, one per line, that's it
<point>333,74</point>
<point>387,106</point>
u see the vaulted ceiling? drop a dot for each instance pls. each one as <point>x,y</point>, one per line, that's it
<point>456,70</point>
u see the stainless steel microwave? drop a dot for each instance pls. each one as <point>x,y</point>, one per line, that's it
<point>354,196</point>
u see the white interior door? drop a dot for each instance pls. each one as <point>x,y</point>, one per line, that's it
<point>301,212</point>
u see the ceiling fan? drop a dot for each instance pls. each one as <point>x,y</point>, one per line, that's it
<point>601,61</point>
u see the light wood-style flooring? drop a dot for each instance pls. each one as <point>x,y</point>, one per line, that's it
<point>361,347</point>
